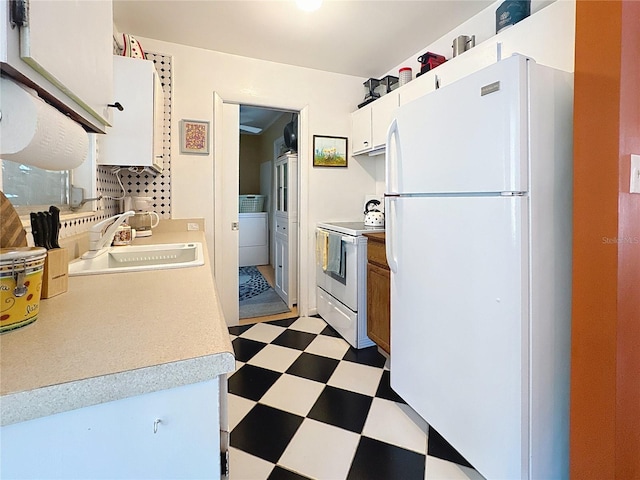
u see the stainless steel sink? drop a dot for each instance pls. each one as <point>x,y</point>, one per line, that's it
<point>140,257</point>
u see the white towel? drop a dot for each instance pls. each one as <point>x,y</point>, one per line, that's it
<point>336,253</point>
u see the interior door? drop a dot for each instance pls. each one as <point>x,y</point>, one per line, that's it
<point>459,331</point>
<point>226,237</point>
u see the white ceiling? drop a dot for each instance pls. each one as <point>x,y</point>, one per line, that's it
<point>365,38</point>
<point>258,117</point>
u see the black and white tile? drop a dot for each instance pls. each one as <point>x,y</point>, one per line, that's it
<point>303,404</point>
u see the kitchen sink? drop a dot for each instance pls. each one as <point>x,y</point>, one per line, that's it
<point>139,258</point>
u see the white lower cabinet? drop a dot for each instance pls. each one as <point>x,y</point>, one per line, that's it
<point>171,433</point>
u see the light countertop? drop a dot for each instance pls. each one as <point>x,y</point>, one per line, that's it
<point>114,336</point>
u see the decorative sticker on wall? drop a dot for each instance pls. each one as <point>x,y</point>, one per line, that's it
<point>194,137</point>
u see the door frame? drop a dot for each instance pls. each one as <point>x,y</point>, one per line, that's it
<point>224,236</point>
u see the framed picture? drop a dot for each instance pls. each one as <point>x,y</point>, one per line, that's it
<point>329,151</point>
<point>194,137</point>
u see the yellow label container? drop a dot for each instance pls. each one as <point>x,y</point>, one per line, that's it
<point>20,286</point>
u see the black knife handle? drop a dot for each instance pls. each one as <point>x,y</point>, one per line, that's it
<point>36,231</point>
<point>55,225</point>
<point>44,221</point>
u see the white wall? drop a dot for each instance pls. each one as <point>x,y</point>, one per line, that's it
<point>483,26</point>
<point>334,194</point>
<point>547,36</point>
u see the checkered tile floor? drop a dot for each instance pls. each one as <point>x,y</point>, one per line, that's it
<point>303,404</point>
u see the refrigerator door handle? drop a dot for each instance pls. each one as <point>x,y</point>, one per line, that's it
<point>392,161</point>
<point>390,216</point>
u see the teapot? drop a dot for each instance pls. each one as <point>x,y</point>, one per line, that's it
<point>143,222</point>
<point>373,217</point>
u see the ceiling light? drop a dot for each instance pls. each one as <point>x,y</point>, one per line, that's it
<point>309,5</point>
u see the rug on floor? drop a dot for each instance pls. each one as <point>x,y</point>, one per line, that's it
<point>257,298</point>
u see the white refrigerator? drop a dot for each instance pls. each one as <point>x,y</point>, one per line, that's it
<point>478,212</point>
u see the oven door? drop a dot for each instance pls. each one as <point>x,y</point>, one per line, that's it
<point>344,289</point>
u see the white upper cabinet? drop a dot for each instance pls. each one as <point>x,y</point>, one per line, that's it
<point>547,36</point>
<point>361,130</point>
<point>369,124</point>
<point>135,139</point>
<point>63,51</point>
<point>382,111</point>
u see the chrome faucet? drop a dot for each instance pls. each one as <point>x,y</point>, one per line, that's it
<point>98,242</point>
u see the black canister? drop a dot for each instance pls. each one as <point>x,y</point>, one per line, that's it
<point>511,12</point>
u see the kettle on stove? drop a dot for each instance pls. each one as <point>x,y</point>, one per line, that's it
<point>373,217</point>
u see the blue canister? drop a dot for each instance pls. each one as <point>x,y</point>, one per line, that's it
<point>511,12</point>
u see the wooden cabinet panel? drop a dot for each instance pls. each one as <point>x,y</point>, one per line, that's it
<point>379,306</point>
<point>378,292</point>
<point>376,253</point>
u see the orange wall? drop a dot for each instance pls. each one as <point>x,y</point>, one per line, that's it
<point>628,354</point>
<point>605,385</point>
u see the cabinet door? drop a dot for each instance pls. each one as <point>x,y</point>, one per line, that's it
<point>379,306</point>
<point>65,50</point>
<point>382,111</point>
<point>281,266</point>
<point>130,142</point>
<point>282,187</point>
<point>122,439</point>
<point>422,85</point>
<point>361,130</point>
<point>292,264</point>
<point>158,121</point>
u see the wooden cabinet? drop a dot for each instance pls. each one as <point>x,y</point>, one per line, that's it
<point>172,433</point>
<point>63,51</point>
<point>378,292</point>
<point>135,139</point>
<point>286,228</point>
<point>369,124</point>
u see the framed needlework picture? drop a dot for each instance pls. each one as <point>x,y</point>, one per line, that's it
<point>329,151</point>
<point>194,137</point>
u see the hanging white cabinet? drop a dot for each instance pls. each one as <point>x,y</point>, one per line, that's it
<point>64,52</point>
<point>135,139</point>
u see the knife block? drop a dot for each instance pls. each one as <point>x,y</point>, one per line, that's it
<point>55,279</point>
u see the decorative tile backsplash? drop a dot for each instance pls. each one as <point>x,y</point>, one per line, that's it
<point>146,184</point>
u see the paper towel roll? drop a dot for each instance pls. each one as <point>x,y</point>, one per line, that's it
<point>35,133</point>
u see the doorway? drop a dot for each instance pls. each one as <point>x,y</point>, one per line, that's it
<point>261,154</point>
